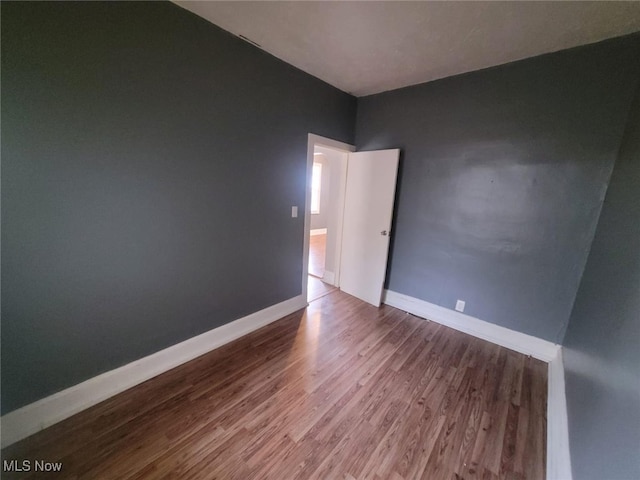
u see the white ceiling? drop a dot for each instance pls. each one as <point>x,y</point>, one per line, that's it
<point>369,47</point>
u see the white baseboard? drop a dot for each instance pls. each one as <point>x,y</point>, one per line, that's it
<point>558,454</point>
<point>329,277</point>
<point>318,231</point>
<point>520,342</point>
<point>36,416</point>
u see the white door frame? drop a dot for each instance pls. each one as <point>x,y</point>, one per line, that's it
<point>312,141</point>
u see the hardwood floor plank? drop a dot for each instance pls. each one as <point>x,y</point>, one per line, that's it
<point>341,390</point>
<point>317,254</point>
<point>510,438</point>
<point>356,463</point>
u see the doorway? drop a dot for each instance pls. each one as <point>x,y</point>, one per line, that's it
<point>352,247</point>
<point>325,206</point>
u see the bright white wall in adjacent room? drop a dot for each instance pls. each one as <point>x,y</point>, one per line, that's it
<point>335,162</point>
<point>320,220</point>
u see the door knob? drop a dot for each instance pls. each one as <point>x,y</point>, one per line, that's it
<point>383,233</point>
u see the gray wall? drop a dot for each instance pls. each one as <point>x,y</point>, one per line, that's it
<point>601,348</point>
<point>502,177</point>
<point>142,149</point>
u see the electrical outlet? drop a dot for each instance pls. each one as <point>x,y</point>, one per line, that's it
<point>460,305</point>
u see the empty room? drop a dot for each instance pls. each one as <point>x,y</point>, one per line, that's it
<point>320,240</point>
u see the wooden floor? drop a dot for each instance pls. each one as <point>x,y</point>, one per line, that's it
<point>316,288</point>
<point>317,254</point>
<point>343,391</point>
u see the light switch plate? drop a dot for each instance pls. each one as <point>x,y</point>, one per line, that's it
<point>294,212</point>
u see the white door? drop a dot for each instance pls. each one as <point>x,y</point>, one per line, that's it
<point>368,209</point>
